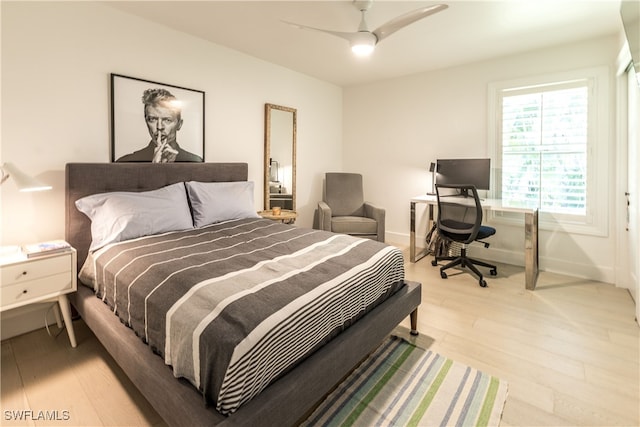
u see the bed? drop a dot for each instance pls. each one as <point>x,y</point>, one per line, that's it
<point>295,391</point>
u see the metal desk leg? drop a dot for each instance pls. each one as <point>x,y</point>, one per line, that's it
<point>413,256</point>
<point>531,249</point>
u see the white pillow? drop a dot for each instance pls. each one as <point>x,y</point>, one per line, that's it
<point>123,215</point>
<point>213,202</point>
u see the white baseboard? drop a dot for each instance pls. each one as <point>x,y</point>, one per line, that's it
<point>399,239</point>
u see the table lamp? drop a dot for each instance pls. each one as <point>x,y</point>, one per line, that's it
<point>433,168</point>
<point>23,181</point>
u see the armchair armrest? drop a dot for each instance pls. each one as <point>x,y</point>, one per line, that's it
<point>324,216</point>
<point>374,212</point>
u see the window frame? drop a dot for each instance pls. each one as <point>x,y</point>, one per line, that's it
<point>595,221</point>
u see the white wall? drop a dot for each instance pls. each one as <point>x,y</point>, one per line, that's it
<point>56,61</point>
<point>442,114</point>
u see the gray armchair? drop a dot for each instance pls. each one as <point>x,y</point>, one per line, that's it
<point>343,209</point>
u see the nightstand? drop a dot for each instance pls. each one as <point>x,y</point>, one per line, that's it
<point>285,216</point>
<point>44,278</point>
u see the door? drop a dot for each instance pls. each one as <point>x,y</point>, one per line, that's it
<point>633,176</point>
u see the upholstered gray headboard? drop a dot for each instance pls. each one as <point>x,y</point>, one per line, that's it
<point>83,179</point>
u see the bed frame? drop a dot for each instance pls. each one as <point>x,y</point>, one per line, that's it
<point>285,402</point>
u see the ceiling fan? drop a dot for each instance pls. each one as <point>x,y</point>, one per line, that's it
<point>364,41</point>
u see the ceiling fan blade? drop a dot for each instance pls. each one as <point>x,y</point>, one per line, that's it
<point>388,28</point>
<point>343,35</point>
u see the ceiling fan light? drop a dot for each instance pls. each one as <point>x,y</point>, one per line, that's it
<point>362,49</point>
<point>363,44</point>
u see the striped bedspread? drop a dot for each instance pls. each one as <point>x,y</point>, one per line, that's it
<point>233,306</point>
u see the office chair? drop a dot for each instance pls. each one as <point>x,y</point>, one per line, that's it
<point>344,210</point>
<point>460,220</point>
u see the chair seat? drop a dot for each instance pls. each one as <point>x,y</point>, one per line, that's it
<point>483,233</point>
<point>354,225</point>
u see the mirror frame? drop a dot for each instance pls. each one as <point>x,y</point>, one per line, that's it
<point>267,151</point>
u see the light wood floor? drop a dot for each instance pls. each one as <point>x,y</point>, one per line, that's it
<point>569,351</point>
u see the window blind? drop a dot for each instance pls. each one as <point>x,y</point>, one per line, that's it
<point>544,147</point>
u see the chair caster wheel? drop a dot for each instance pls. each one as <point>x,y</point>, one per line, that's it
<point>443,274</point>
<point>434,262</point>
<point>483,283</point>
<point>493,272</point>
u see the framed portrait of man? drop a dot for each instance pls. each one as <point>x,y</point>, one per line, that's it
<point>155,122</point>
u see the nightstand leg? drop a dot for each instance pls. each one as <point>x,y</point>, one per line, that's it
<point>66,314</point>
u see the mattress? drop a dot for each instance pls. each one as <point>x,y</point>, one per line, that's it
<point>233,306</point>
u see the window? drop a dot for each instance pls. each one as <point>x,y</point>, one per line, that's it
<point>544,148</point>
<point>548,134</point>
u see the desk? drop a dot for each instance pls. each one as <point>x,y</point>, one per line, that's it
<point>530,233</point>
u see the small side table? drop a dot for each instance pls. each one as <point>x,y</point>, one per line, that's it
<point>50,277</point>
<point>286,216</point>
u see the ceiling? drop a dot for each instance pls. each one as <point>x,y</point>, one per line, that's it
<point>467,31</point>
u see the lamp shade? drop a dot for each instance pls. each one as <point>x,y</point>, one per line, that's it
<point>433,168</point>
<point>23,181</point>
<point>363,43</point>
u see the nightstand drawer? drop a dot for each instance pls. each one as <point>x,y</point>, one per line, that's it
<point>33,289</point>
<point>34,269</point>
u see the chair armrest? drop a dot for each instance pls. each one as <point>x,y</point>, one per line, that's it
<point>324,216</point>
<point>374,212</point>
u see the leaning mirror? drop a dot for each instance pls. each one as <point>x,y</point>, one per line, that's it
<point>279,157</point>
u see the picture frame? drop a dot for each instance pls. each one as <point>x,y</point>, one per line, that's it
<point>155,122</point>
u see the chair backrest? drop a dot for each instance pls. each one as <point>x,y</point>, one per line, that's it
<point>344,193</point>
<point>459,212</point>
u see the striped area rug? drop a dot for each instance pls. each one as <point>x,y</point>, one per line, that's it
<point>404,385</point>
